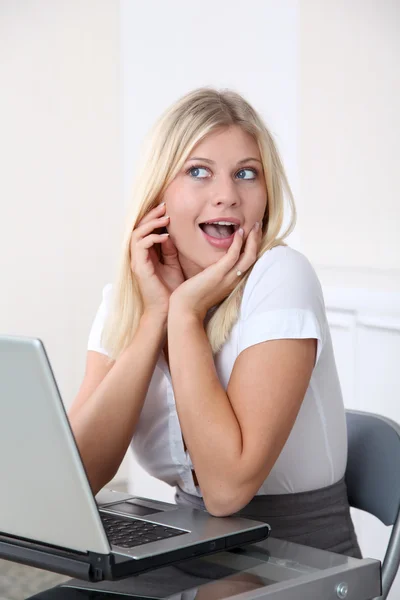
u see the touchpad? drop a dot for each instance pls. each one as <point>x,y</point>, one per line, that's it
<point>133,508</point>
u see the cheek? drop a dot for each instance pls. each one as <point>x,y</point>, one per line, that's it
<point>261,213</point>
<point>176,227</point>
<point>180,213</point>
<point>183,212</point>
<point>181,225</point>
<point>260,205</point>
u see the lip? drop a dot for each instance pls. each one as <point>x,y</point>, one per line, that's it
<point>222,243</point>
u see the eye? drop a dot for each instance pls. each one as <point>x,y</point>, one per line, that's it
<point>242,174</point>
<point>195,172</point>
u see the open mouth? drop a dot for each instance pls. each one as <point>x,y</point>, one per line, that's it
<point>219,229</point>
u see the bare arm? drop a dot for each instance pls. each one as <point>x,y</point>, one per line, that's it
<point>105,413</point>
<point>106,410</point>
<point>234,437</point>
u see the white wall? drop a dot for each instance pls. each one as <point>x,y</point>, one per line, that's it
<point>312,70</point>
<point>81,83</point>
<point>251,48</point>
<point>61,201</point>
<point>349,123</point>
<point>349,94</point>
<point>365,326</point>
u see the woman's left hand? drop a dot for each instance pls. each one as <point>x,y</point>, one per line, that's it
<point>206,289</point>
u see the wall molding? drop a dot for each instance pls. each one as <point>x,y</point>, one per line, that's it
<point>372,279</point>
<point>365,327</point>
<point>380,322</point>
<point>341,319</point>
<point>352,308</point>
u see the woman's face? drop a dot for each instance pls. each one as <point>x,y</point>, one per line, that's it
<point>222,181</point>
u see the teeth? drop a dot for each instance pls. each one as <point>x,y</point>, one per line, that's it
<point>220,223</point>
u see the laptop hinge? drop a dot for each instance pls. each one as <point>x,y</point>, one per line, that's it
<point>102,566</point>
<point>89,567</point>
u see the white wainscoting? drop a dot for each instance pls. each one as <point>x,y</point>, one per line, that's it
<point>365,328</point>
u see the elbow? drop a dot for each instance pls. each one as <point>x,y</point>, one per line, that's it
<point>228,497</point>
<point>224,497</point>
<point>98,473</point>
<point>99,480</point>
<point>218,510</point>
<point>225,501</point>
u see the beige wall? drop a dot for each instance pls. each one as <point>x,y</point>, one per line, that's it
<point>61,155</point>
<point>61,171</point>
<point>349,126</point>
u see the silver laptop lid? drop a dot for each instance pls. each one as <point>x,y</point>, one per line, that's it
<point>45,494</point>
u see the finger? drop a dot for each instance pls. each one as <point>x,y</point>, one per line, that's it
<point>227,262</point>
<point>152,214</point>
<point>149,241</point>
<point>250,253</point>
<point>144,229</point>
<point>169,252</point>
<point>142,250</point>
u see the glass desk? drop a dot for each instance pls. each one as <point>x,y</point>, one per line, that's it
<point>272,569</point>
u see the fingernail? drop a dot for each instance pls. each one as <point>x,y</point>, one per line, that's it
<point>256,226</point>
<point>162,204</point>
<point>241,232</point>
<point>165,234</point>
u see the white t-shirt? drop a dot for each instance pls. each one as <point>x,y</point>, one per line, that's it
<point>282,299</point>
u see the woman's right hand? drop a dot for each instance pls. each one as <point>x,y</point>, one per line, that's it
<point>157,280</point>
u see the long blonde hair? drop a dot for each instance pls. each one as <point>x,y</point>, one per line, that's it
<point>169,144</point>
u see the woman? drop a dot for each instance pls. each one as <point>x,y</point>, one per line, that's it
<point>211,354</point>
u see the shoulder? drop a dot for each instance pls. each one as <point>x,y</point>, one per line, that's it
<point>107,293</point>
<point>282,262</point>
<point>282,299</point>
<point>106,298</point>
<point>283,278</point>
<point>95,334</point>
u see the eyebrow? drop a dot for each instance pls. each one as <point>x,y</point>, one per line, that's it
<point>212,162</point>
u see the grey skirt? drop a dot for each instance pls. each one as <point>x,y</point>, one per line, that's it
<point>318,518</point>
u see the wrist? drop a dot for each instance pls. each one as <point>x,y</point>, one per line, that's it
<point>179,313</point>
<point>154,319</point>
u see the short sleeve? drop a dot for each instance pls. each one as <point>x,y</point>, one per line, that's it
<point>94,342</point>
<point>282,299</point>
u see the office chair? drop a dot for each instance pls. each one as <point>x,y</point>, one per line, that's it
<point>373,479</point>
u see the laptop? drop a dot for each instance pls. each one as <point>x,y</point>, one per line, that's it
<point>49,517</point>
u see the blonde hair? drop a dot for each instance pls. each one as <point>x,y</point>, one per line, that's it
<point>169,144</point>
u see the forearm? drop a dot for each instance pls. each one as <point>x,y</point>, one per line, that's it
<point>105,423</point>
<point>209,424</point>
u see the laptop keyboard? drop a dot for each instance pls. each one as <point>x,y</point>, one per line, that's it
<point>128,533</point>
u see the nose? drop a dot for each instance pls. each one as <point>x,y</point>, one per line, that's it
<point>225,192</point>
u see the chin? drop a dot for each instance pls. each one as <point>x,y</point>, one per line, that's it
<point>198,257</point>
<point>191,265</point>
<point>210,257</point>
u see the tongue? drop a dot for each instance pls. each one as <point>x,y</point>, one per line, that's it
<point>217,231</point>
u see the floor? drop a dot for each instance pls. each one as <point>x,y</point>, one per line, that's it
<point>18,582</point>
